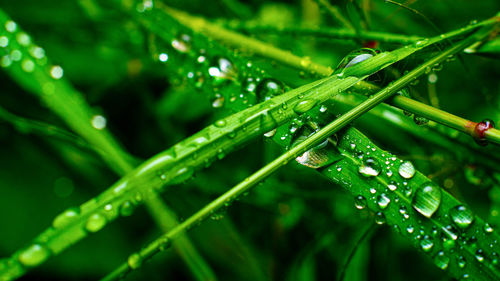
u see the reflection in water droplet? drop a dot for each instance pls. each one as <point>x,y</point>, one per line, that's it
<point>406,170</point>
<point>34,255</point>
<point>461,216</point>
<point>316,157</point>
<point>222,70</point>
<point>427,199</point>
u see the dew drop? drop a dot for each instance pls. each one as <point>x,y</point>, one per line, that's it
<point>4,41</point>
<point>369,168</point>
<point>441,260</point>
<point>360,202</point>
<point>218,102</point>
<point>487,228</point>
<point>127,208</point>
<point>316,157</point>
<point>10,26</point>
<point>65,218</point>
<point>28,65</point>
<point>462,216</point>
<point>304,106</point>
<point>222,70</point>
<point>480,255</point>
<point>5,61</point>
<point>95,222</point>
<point>354,58</point>
<point>406,170</point>
<point>410,229</point>
<point>461,262</point>
<point>427,199</point>
<point>479,133</point>
<point>182,43</point>
<point>383,201</point>
<point>23,39</point>
<point>269,88</point>
<point>34,255</point>
<point>380,218</point>
<point>426,244</point>
<point>220,123</point>
<point>37,52</point>
<point>134,261</point>
<point>98,122</point>
<point>419,120</point>
<point>392,185</point>
<point>56,72</point>
<point>163,57</point>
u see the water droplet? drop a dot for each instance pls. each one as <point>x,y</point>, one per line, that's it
<point>316,157</point>
<point>23,39</point>
<point>95,222</point>
<point>270,133</point>
<point>222,70</point>
<point>360,202</point>
<point>127,208</point>
<point>4,41</point>
<point>218,102</point>
<point>34,255</point>
<point>432,78</point>
<point>6,61</point>
<point>426,244</point>
<point>379,218</point>
<point>488,228</point>
<point>65,218</point>
<point>421,43</point>
<point>410,229</point>
<point>392,185</point>
<point>163,57</point>
<point>37,52</point>
<point>427,199</point>
<point>461,216</point>
<point>480,255</point>
<point>28,65</point>
<point>10,26</point>
<point>304,106</point>
<point>461,262</point>
<point>479,133</point>
<point>16,55</point>
<point>269,88</point>
<point>406,170</point>
<point>134,261</point>
<point>182,44</point>
<point>220,123</point>
<point>369,168</point>
<point>98,122</point>
<point>441,260</point>
<point>56,72</point>
<point>354,58</point>
<point>383,201</point>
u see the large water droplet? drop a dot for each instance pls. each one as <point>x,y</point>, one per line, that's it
<point>304,106</point>
<point>34,255</point>
<point>427,199</point>
<point>369,168</point>
<point>95,222</point>
<point>56,72</point>
<point>355,57</point>
<point>406,170</point>
<point>316,157</point>
<point>65,218</point>
<point>462,216</point>
<point>127,208</point>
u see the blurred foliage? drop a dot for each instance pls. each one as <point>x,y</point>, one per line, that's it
<point>295,225</point>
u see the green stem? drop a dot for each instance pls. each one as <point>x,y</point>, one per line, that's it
<point>291,154</point>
